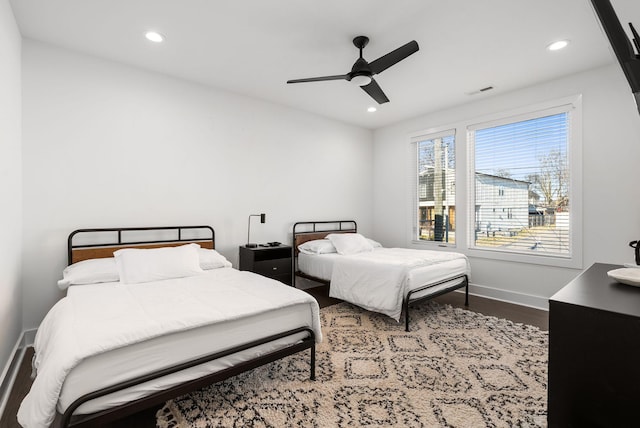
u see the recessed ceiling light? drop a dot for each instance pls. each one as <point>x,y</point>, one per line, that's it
<point>560,44</point>
<point>154,36</point>
<point>371,109</point>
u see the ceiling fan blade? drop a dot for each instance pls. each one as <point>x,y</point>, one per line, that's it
<point>393,57</point>
<point>375,91</point>
<point>320,79</point>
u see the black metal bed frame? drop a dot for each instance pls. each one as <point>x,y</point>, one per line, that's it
<point>343,226</point>
<point>406,301</point>
<point>67,419</point>
<point>120,242</point>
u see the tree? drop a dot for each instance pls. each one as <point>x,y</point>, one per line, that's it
<point>426,153</point>
<point>502,172</point>
<point>552,179</point>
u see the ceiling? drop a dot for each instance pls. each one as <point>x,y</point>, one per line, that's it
<point>253,47</point>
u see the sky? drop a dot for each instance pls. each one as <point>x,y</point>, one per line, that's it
<point>518,147</point>
<point>515,147</point>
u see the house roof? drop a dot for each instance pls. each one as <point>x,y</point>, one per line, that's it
<point>505,179</point>
<point>498,177</point>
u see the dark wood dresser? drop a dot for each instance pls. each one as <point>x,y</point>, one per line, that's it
<point>274,262</point>
<point>594,352</point>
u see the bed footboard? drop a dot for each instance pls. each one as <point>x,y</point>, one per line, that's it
<point>69,420</point>
<point>408,300</point>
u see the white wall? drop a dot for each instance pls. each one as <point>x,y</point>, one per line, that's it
<point>611,153</point>
<point>10,185</point>
<point>109,145</point>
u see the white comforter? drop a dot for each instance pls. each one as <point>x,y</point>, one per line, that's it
<point>377,280</point>
<point>85,324</point>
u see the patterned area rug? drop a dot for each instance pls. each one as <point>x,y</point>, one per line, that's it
<point>455,368</point>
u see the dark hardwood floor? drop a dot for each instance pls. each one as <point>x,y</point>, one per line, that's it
<point>496,308</point>
<point>146,419</point>
<point>516,313</point>
<point>18,392</point>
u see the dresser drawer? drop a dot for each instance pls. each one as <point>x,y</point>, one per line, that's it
<point>273,267</point>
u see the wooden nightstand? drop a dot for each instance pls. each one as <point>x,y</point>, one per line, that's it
<point>273,262</point>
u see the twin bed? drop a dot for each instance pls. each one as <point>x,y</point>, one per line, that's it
<point>111,348</point>
<point>360,271</point>
<point>154,313</point>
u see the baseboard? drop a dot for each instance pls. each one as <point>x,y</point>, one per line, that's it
<point>29,336</point>
<point>531,301</point>
<point>10,372</point>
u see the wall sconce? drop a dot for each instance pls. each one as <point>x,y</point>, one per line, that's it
<point>263,218</point>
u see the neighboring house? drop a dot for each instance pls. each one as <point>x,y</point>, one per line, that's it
<point>427,201</point>
<point>502,204</point>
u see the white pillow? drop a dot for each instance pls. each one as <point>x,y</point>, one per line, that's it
<point>91,271</point>
<point>374,244</point>
<point>350,243</point>
<point>145,265</point>
<point>211,259</point>
<point>318,246</point>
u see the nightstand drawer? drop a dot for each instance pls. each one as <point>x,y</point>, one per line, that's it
<point>272,262</point>
<point>273,267</point>
<point>285,279</point>
<point>270,253</point>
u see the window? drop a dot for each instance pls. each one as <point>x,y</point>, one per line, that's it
<point>525,161</point>
<point>435,199</point>
<point>506,186</point>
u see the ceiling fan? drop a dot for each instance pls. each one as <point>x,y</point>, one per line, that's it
<point>362,71</point>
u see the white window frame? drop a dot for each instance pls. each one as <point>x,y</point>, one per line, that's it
<point>573,106</point>
<point>465,185</point>
<point>415,138</point>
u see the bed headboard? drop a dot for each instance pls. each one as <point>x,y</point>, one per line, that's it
<point>84,244</point>
<point>304,231</point>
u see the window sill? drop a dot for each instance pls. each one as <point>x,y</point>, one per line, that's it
<point>536,259</point>
<point>433,244</point>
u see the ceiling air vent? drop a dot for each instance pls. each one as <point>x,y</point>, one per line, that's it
<point>479,91</point>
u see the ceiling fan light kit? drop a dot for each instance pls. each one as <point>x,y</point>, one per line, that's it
<point>361,80</point>
<point>362,71</point>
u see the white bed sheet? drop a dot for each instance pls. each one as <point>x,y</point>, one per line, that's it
<point>321,266</point>
<point>380,280</point>
<point>124,363</point>
<point>272,305</point>
<point>317,265</point>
